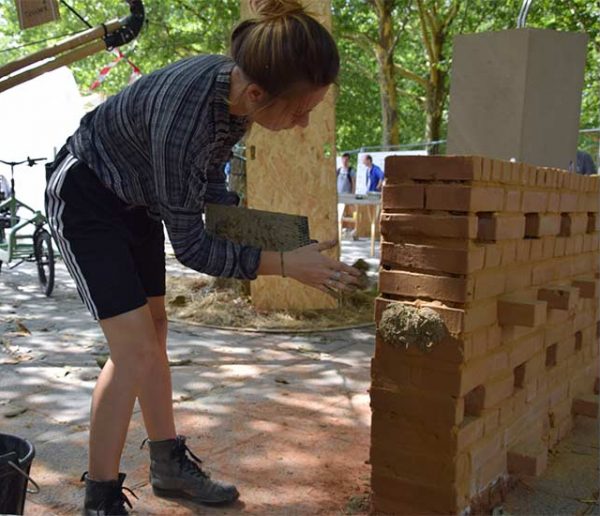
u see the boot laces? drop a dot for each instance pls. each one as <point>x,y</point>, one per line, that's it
<point>116,504</point>
<point>186,458</point>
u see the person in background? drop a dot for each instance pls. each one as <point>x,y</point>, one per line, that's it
<point>374,174</point>
<point>345,176</point>
<point>585,164</point>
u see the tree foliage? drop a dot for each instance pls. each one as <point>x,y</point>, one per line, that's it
<point>394,79</point>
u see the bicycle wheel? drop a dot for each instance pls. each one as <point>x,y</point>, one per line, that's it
<point>44,258</point>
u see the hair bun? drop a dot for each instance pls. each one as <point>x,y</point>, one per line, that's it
<point>270,9</point>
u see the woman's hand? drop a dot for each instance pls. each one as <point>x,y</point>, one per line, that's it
<point>307,265</point>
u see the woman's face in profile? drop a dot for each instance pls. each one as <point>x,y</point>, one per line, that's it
<point>287,113</point>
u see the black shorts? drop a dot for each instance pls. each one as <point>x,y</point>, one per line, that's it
<point>114,252</point>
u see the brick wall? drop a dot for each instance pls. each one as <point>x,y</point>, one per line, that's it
<point>507,254</point>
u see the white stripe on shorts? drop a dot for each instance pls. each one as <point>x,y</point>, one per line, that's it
<point>56,206</point>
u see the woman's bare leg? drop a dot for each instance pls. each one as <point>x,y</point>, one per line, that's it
<point>134,351</point>
<point>156,399</point>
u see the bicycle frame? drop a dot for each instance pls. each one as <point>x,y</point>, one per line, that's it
<point>11,248</point>
<point>12,244</point>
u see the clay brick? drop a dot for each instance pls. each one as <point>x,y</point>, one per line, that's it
<point>488,283</point>
<point>568,202</point>
<point>534,201</point>
<point>500,227</point>
<point>489,474</point>
<point>583,263</point>
<point>523,350</point>
<point>559,246</point>
<point>393,495</point>
<point>560,297</point>
<point>512,201</point>
<point>493,255</point>
<point>421,407</point>
<point>586,406</point>
<point>464,198</point>
<point>432,168</point>
<point>553,202</point>
<point>537,252</point>
<point>539,225</point>
<point>587,287</point>
<point>548,247</point>
<point>527,459</point>
<point>518,278</point>
<point>579,223</point>
<point>405,197</point>
<point>506,173</point>
<point>396,226</point>
<point>486,169</point>
<point>509,252</point>
<point>523,250</point>
<point>480,315</point>
<point>422,468</point>
<point>468,432</point>
<point>416,285</point>
<point>519,312</point>
<point>597,386</point>
<point>498,390</point>
<point>393,430</point>
<point>485,450</point>
<point>491,420</point>
<point>432,258</point>
<point>544,273</point>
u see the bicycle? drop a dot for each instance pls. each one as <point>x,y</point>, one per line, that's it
<point>13,244</point>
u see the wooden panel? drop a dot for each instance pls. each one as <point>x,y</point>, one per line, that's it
<point>292,171</point>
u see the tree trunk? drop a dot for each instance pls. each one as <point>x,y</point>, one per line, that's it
<point>386,73</point>
<point>435,94</point>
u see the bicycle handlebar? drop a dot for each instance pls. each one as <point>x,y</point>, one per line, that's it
<point>30,162</point>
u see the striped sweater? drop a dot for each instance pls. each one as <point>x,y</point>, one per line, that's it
<point>162,143</point>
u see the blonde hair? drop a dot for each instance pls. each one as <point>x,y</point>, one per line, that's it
<point>282,47</point>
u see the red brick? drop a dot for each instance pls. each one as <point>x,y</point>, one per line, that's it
<point>559,246</point>
<point>568,202</point>
<point>579,223</point>
<point>518,278</point>
<point>391,494</point>
<point>500,227</point>
<point>519,312</point>
<point>415,285</point>
<point>432,168</point>
<point>528,459</point>
<point>464,198</point>
<point>536,252</point>
<point>548,244</point>
<point>544,273</point>
<point>493,255</point>
<point>396,226</point>
<point>553,202</point>
<point>523,350</point>
<point>489,283</point>
<point>560,297</point>
<point>509,252</point>
<point>586,406</point>
<point>512,201</point>
<point>587,287</point>
<point>523,250</point>
<point>405,197</point>
<point>497,169</point>
<point>539,225</point>
<point>420,407</point>
<point>498,390</point>
<point>489,472</point>
<point>479,315</point>
<point>432,258</point>
<point>534,201</point>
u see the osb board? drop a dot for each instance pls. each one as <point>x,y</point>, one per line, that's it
<point>291,171</point>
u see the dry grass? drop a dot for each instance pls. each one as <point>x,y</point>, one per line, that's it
<point>219,302</point>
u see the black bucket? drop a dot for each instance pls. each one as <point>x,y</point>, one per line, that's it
<point>16,456</point>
